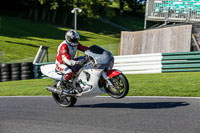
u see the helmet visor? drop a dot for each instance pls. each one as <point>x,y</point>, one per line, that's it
<point>74,40</point>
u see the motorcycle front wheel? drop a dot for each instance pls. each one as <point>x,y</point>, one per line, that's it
<point>63,100</point>
<point>121,86</point>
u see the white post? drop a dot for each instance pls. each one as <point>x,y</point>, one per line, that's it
<point>3,58</point>
<point>2,54</point>
<point>75,16</point>
<point>75,20</point>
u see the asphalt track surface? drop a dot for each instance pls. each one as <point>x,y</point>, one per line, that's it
<point>100,115</point>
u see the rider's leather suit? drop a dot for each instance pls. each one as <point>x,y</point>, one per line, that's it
<point>65,58</point>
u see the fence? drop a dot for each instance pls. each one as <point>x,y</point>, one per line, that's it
<point>150,63</point>
<point>181,62</point>
<point>128,64</point>
<point>158,63</point>
<point>173,10</point>
<point>162,40</point>
<point>136,64</point>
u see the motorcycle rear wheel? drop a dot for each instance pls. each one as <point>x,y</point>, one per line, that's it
<point>62,100</point>
<point>121,86</point>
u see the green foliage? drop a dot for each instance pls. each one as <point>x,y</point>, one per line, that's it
<point>92,8</point>
<point>54,5</point>
<point>42,1</point>
<point>137,6</point>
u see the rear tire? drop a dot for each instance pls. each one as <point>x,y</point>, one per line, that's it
<point>62,100</point>
<point>121,86</point>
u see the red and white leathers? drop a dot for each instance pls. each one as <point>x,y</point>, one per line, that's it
<point>65,58</point>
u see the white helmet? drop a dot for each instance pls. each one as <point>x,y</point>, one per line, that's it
<point>72,37</point>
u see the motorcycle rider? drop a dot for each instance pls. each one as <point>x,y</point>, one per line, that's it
<point>66,52</point>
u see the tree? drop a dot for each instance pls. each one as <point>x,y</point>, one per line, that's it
<point>30,5</point>
<point>48,8</point>
<point>92,8</point>
<point>121,6</point>
<point>67,6</point>
<point>136,6</point>
<point>51,6</point>
<point>44,4</point>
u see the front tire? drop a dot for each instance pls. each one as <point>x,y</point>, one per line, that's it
<point>121,86</point>
<point>63,100</point>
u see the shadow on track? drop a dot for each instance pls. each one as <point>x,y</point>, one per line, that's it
<point>150,105</point>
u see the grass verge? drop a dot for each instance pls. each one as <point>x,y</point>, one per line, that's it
<point>165,84</point>
<point>35,87</point>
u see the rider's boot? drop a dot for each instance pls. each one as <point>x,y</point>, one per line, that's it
<point>62,86</point>
<point>67,82</point>
<point>69,77</point>
<point>78,88</point>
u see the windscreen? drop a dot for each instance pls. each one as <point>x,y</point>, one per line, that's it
<point>100,55</point>
<point>96,49</point>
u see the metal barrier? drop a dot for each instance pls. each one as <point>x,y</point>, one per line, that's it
<point>150,63</point>
<point>172,10</point>
<point>139,64</point>
<point>158,63</point>
<point>181,62</point>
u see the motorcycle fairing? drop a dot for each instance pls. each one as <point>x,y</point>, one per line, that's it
<point>113,73</point>
<point>93,81</point>
<point>49,70</point>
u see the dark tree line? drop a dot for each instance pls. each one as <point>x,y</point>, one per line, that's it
<point>137,6</point>
<point>51,10</point>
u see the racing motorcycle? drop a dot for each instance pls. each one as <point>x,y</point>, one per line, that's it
<point>94,77</point>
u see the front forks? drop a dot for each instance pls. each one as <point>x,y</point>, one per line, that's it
<point>107,79</point>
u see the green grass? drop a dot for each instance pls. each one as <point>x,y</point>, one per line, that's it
<point>132,23</point>
<point>35,87</point>
<point>165,84</point>
<point>21,38</point>
<point>170,84</point>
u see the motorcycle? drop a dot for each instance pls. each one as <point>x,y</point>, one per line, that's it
<point>94,77</point>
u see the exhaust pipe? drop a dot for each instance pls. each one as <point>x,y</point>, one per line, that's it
<point>54,90</point>
<point>59,92</point>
